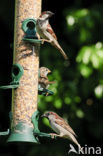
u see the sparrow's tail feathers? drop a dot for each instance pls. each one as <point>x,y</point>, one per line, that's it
<point>51,82</point>
<point>61,50</point>
<point>72,137</point>
<point>63,53</point>
<point>75,141</point>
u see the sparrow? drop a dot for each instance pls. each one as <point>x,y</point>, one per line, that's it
<point>43,79</point>
<point>46,32</point>
<point>61,127</point>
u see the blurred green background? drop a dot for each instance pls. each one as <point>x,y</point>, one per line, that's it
<point>78,91</point>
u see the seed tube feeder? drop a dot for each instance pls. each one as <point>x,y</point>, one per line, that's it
<point>24,97</point>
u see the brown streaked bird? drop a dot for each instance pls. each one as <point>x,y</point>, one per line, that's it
<point>46,32</point>
<point>61,127</point>
<point>43,79</point>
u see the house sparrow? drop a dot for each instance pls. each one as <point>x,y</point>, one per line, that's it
<point>43,79</point>
<point>46,32</point>
<point>61,127</point>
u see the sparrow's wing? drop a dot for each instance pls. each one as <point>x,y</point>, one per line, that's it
<point>65,125</point>
<point>50,30</point>
<point>51,82</point>
<point>43,80</point>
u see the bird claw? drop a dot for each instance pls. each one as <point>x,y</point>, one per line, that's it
<point>53,135</point>
<point>42,41</point>
<point>47,94</point>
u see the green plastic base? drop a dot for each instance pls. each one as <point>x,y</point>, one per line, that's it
<point>32,40</point>
<point>16,137</point>
<point>5,133</point>
<point>13,86</point>
<point>22,133</point>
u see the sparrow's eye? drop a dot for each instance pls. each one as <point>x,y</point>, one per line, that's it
<point>48,114</point>
<point>46,70</point>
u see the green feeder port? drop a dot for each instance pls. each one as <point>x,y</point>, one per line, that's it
<point>17,72</point>
<point>28,26</point>
<point>37,133</point>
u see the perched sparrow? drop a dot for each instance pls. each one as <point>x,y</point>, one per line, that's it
<point>46,32</point>
<point>61,127</point>
<point>43,79</point>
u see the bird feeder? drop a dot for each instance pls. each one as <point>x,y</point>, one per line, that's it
<point>24,115</point>
<point>26,56</point>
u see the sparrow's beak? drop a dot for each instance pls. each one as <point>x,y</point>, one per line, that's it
<point>49,71</point>
<point>43,115</point>
<point>51,14</point>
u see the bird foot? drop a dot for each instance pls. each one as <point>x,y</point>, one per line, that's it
<point>44,40</point>
<point>53,135</point>
<point>47,94</point>
<point>38,36</point>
